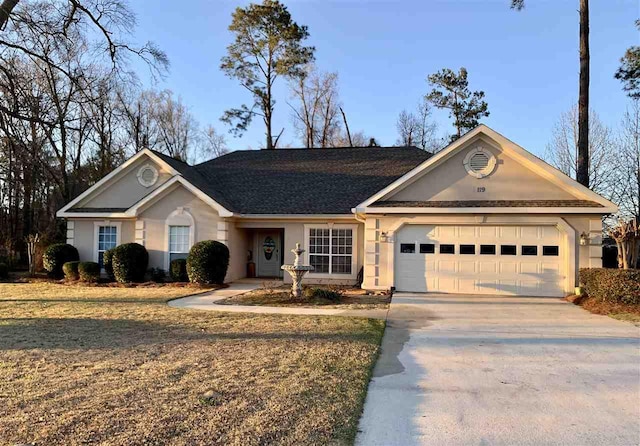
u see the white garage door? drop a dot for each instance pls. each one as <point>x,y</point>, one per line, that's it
<point>514,260</point>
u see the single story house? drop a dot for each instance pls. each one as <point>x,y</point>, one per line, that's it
<point>481,216</point>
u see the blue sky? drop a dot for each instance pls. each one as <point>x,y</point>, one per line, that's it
<point>526,62</point>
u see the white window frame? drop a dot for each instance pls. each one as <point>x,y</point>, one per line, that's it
<point>179,217</point>
<point>153,170</point>
<point>354,250</point>
<point>96,235</point>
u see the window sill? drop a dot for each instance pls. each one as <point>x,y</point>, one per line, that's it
<point>331,276</point>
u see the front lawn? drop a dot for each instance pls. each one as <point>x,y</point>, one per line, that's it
<point>86,365</point>
<point>280,296</point>
<point>61,291</point>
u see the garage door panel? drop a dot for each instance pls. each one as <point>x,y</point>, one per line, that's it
<point>508,267</point>
<point>430,266</point>
<point>467,232</point>
<point>488,267</point>
<point>528,287</point>
<point>446,232</point>
<point>489,273</point>
<point>528,268</point>
<point>507,287</point>
<point>467,267</point>
<point>488,232</point>
<point>550,268</point>
<point>550,234</point>
<point>446,266</point>
<point>446,283</point>
<point>508,232</point>
<point>466,286</point>
<point>529,232</point>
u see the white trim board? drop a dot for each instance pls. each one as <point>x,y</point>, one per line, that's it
<point>519,153</point>
<point>489,210</point>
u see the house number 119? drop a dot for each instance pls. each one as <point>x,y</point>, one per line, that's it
<point>481,189</point>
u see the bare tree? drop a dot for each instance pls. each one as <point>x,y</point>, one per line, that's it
<point>39,29</point>
<point>346,127</point>
<point>315,115</point>
<point>138,114</point>
<point>213,144</point>
<point>176,126</point>
<point>62,123</point>
<point>407,125</point>
<point>562,152</point>
<point>356,139</point>
<point>416,129</point>
<point>627,190</point>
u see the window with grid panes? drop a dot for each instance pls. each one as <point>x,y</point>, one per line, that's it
<point>179,245</point>
<point>331,250</point>
<point>107,239</point>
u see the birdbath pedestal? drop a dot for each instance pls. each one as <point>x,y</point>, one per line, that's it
<point>297,271</point>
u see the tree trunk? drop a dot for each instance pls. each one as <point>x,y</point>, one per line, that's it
<point>5,10</point>
<point>346,126</point>
<point>582,174</point>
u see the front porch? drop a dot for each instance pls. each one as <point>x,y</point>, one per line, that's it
<point>266,246</point>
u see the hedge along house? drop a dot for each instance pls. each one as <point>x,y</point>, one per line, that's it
<point>481,216</point>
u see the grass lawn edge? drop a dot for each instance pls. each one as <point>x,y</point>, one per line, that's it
<point>352,431</point>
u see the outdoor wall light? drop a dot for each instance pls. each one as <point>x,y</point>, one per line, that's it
<point>384,237</point>
<point>584,239</point>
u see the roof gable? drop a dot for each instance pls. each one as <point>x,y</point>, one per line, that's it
<point>108,192</point>
<point>119,194</point>
<point>518,177</point>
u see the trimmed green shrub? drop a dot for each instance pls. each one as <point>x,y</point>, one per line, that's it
<point>107,263</point>
<point>4,271</point>
<point>323,293</point>
<point>70,270</point>
<point>157,275</point>
<point>56,255</point>
<point>89,271</point>
<point>178,270</point>
<point>612,285</point>
<point>130,262</point>
<point>208,262</point>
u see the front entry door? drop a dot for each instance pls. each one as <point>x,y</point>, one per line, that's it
<point>269,255</point>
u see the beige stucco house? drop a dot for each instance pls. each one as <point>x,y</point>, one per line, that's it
<point>481,216</point>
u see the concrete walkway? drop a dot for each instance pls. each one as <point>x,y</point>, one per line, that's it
<point>207,301</point>
<point>488,370</point>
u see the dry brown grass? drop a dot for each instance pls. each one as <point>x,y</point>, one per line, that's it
<point>76,369</point>
<point>280,296</point>
<point>64,292</point>
<point>629,313</point>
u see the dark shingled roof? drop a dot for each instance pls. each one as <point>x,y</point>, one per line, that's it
<point>301,181</point>
<point>488,203</point>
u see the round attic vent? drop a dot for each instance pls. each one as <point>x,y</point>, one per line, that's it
<point>479,162</point>
<point>147,175</point>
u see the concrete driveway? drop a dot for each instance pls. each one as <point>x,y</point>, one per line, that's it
<point>489,370</point>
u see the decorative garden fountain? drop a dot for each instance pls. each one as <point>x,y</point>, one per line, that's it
<point>297,271</point>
